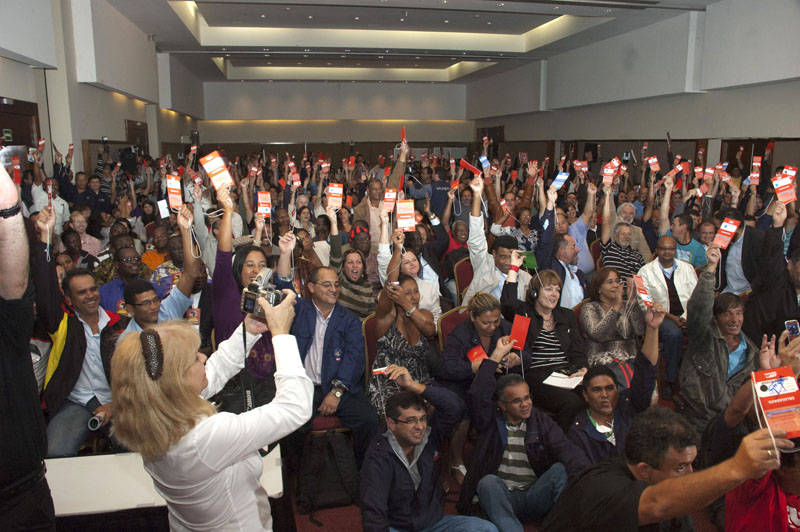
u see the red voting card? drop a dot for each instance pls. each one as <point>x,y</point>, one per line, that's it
<point>784,188</point>
<point>282,183</point>
<point>466,166</point>
<point>216,170</point>
<point>686,167</point>
<point>726,232</point>
<point>349,201</point>
<point>523,157</point>
<point>403,134</point>
<point>519,331</point>
<point>770,146</point>
<point>335,193</point>
<point>642,291</point>
<point>698,172</point>
<point>779,399</point>
<point>41,144</point>
<point>352,161</point>
<point>387,171</point>
<point>653,162</point>
<point>389,198</point>
<point>264,204</point>
<point>454,183</point>
<point>71,149</point>
<point>608,174</point>
<point>405,215</point>
<point>174,192</point>
<point>702,190</point>
<point>709,173</point>
<point>476,353</point>
<point>17,171</point>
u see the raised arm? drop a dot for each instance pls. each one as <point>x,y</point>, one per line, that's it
<point>286,244</point>
<point>608,208</point>
<point>13,264</point>
<point>663,225</point>
<point>225,235</point>
<point>192,266</point>
<point>589,206</point>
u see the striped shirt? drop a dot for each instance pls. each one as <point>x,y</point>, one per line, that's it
<point>515,469</point>
<point>627,261</point>
<point>547,351</point>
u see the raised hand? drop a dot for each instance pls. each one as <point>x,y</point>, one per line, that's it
<point>185,217</point>
<point>224,199</point>
<point>287,242</point>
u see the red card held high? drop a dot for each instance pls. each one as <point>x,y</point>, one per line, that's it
<point>726,232</point>
<point>466,166</point>
<point>519,331</point>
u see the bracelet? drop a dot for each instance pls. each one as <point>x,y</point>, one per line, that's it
<point>513,268</point>
<point>11,211</point>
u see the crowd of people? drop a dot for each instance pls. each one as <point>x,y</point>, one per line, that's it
<point>124,304</point>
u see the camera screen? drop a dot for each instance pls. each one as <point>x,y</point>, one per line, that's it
<point>249,304</point>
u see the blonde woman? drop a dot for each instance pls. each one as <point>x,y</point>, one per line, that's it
<point>206,464</point>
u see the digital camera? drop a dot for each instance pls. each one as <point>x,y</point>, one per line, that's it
<point>260,287</point>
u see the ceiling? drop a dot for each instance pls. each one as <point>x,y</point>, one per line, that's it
<point>439,41</point>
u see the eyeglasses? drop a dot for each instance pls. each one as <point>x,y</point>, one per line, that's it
<point>413,420</point>
<point>519,400</point>
<point>612,281</point>
<point>147,303</point>
<point>129,260</point>
<point>327,285</point>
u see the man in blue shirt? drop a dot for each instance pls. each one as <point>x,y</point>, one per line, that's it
<point>127,261</point>
<point>681,226</point>
<point>143,303</point>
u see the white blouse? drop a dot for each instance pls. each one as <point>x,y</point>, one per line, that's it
<point>210,478</point>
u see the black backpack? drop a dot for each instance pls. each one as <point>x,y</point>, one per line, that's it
<point>328,475</point>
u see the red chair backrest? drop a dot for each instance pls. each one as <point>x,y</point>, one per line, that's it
<point>594,248</point>
<point>464,274</point>
<point>449,321</point>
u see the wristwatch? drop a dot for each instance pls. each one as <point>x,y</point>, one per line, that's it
<point>410,312</point>
<point>338,393</point>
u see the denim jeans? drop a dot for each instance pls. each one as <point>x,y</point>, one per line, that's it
<point>507,508</point>
<point>672,343</point>
<point>67,429</point>
<point>458,523</point>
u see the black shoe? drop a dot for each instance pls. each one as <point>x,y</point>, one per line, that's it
<point>666,391</point>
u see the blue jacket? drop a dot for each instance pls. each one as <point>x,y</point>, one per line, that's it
<point>388,497</point>
<point>545,442</point>
<point>343,349</point>
<point>631,401</point>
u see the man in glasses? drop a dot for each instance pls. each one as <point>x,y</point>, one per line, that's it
<point>670,282</point>
<point>127,261</point>
<point>332,349</point>
<point>401,469</point>
<point>522,457</point>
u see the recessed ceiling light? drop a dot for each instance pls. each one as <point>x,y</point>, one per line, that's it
<point>266,55</point>
<point>288,9</point>
<point>266,49</point>
<point>227,55</point>
<point>402,20</point>
<point>463,53</point>
<point>379,81</point>
<point>417,57</point>
<point>307,50</point>
<point>263,16</point>
<point>387,51</point>
<point>556,8</point>
<point>416,64</point>
<point>446,21</point>
<point>406,82</point>
<point>342,56</point>
<point>224,49</point>
<point>305,55</point>
<point>347,49</point>
<point>329,63</point>
<point>477,16</point>
<point>311,16</point>
<point>352,81</point>
<point>489,23</point>
<point>299,62</point>
<point>500,4</point>
<point>356,18</point>
<point>488,59</point>
<point>380,57</point>
<point>387,64</point>
<point>452,59</point>
<point>269,62</point>
<point>608,11</point>
<point>501,55</point>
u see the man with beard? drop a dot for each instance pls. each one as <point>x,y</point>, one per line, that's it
<point>401,468</point>
<point>626,212</point>
<point>618,253</point>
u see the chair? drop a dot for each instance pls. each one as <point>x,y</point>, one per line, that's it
<point>449,321</point>
<point>594,248</point>
<point>463,273</point>
<point>577,310</point>
<point>370,346</point>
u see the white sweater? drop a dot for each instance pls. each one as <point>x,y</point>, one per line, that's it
<point>210,478</point>
<point>684,278</point>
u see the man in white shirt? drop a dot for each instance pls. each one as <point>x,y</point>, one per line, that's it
<point>564,262</point>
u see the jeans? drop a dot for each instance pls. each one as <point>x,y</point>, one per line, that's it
<point>458,523</point>
<point>67,429</point>
<point>507,508</point>
<point>672,342</point>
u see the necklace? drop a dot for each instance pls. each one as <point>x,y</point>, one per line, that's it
<point>548,322</point>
